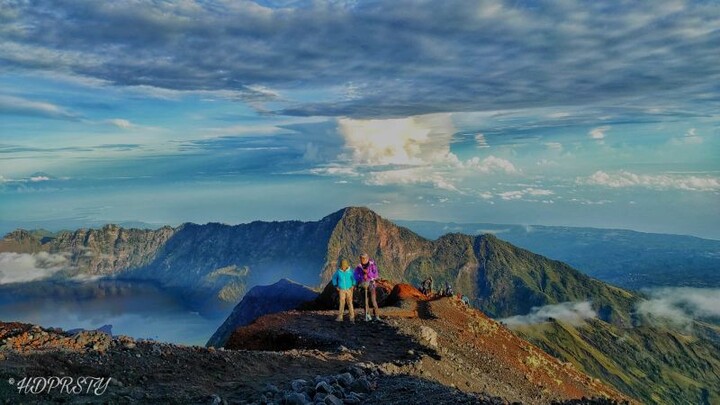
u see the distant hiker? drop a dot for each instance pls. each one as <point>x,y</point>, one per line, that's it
<point>344,281</point>
<point>466,300</point>
<point>448,289</point>
<point>366,273</point>
<point>427,286</point>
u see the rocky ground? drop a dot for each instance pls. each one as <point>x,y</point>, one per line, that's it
<point>424,352</point>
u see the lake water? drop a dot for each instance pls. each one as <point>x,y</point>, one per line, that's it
<point>134,308</point>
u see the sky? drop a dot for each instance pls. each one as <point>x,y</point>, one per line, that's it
<point>564,112</point>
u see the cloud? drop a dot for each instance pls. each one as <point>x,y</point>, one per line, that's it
<point>530,191</point>
<point>121,123</point>
<point>404,141</point>
<point>491,164</point>
<point>624,178</point>
<point>599,132</point>
<point>480,141</point>
<point>23,267</point>
<point>382,59</point>
<point>554,145</point>
<point>334,171</point>
<point>421,175</point>
<point>574,313</point>
<point>35,179</point>
<point>19,106</point>
<point>681,305</point>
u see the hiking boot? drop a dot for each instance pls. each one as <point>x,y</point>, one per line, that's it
<point>377,318</point>
<point>338,319</point>
<point>352,320</point>
<point>368,318</point>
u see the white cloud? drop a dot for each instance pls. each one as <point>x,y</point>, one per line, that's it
<point>22,267</point>
<point>491,164</point>
<point>554,145</point>
<point>36,179</point>
<point>599,132</point>
<point>485,195</point>
<point>574,313</point>
<point>121,123</point>
<point>681,305</point>
<point>17,105</point>
<point>529,191</point>
<point>511,195</point>
<point>416,175</point>
<point>417,140</point>
<point>480,141</point>
<point>659,182</point>
<point>334,171</point>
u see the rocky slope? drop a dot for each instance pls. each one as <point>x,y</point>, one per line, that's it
<point>441,341</point>
<point>261,300</point>
<point>440,353</point>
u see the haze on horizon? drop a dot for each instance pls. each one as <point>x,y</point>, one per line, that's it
<point>575,113</point>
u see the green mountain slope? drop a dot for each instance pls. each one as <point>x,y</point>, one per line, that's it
<point>653,364</point>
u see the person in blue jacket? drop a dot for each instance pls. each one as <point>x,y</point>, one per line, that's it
<point>344,282</point>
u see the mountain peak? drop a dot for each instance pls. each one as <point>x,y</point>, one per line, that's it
<point>351,212</point>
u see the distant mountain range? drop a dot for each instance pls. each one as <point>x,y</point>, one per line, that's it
<point>628,259</point>
<point>218,263</point>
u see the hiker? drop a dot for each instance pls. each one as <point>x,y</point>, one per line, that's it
<point>448,289</point>
<point>365,275</point>
<point>427,286</point>
<point>465,300</point>
<point>344,282</point>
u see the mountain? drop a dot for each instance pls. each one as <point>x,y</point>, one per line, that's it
<point>628,259</point>
<point>261,300</point>
<point>219,263</point>
<point>93,252</point>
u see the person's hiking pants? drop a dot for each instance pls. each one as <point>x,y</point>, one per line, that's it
<point>346,296</point>
<point>373,295</point>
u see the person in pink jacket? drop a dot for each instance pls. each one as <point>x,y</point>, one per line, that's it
<point>366,273</point>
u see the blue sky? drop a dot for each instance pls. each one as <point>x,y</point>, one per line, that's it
<point>578,113</point>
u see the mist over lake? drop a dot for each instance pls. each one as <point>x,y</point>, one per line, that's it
<point>139,309</point>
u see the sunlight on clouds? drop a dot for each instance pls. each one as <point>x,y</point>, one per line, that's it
<point>402,141</point>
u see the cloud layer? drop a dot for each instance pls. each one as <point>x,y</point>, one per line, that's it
<point>682,305</point>
<point>377,59</point>
<point>23,267</point>
<point>624,178</point>
<point>574,313</point>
